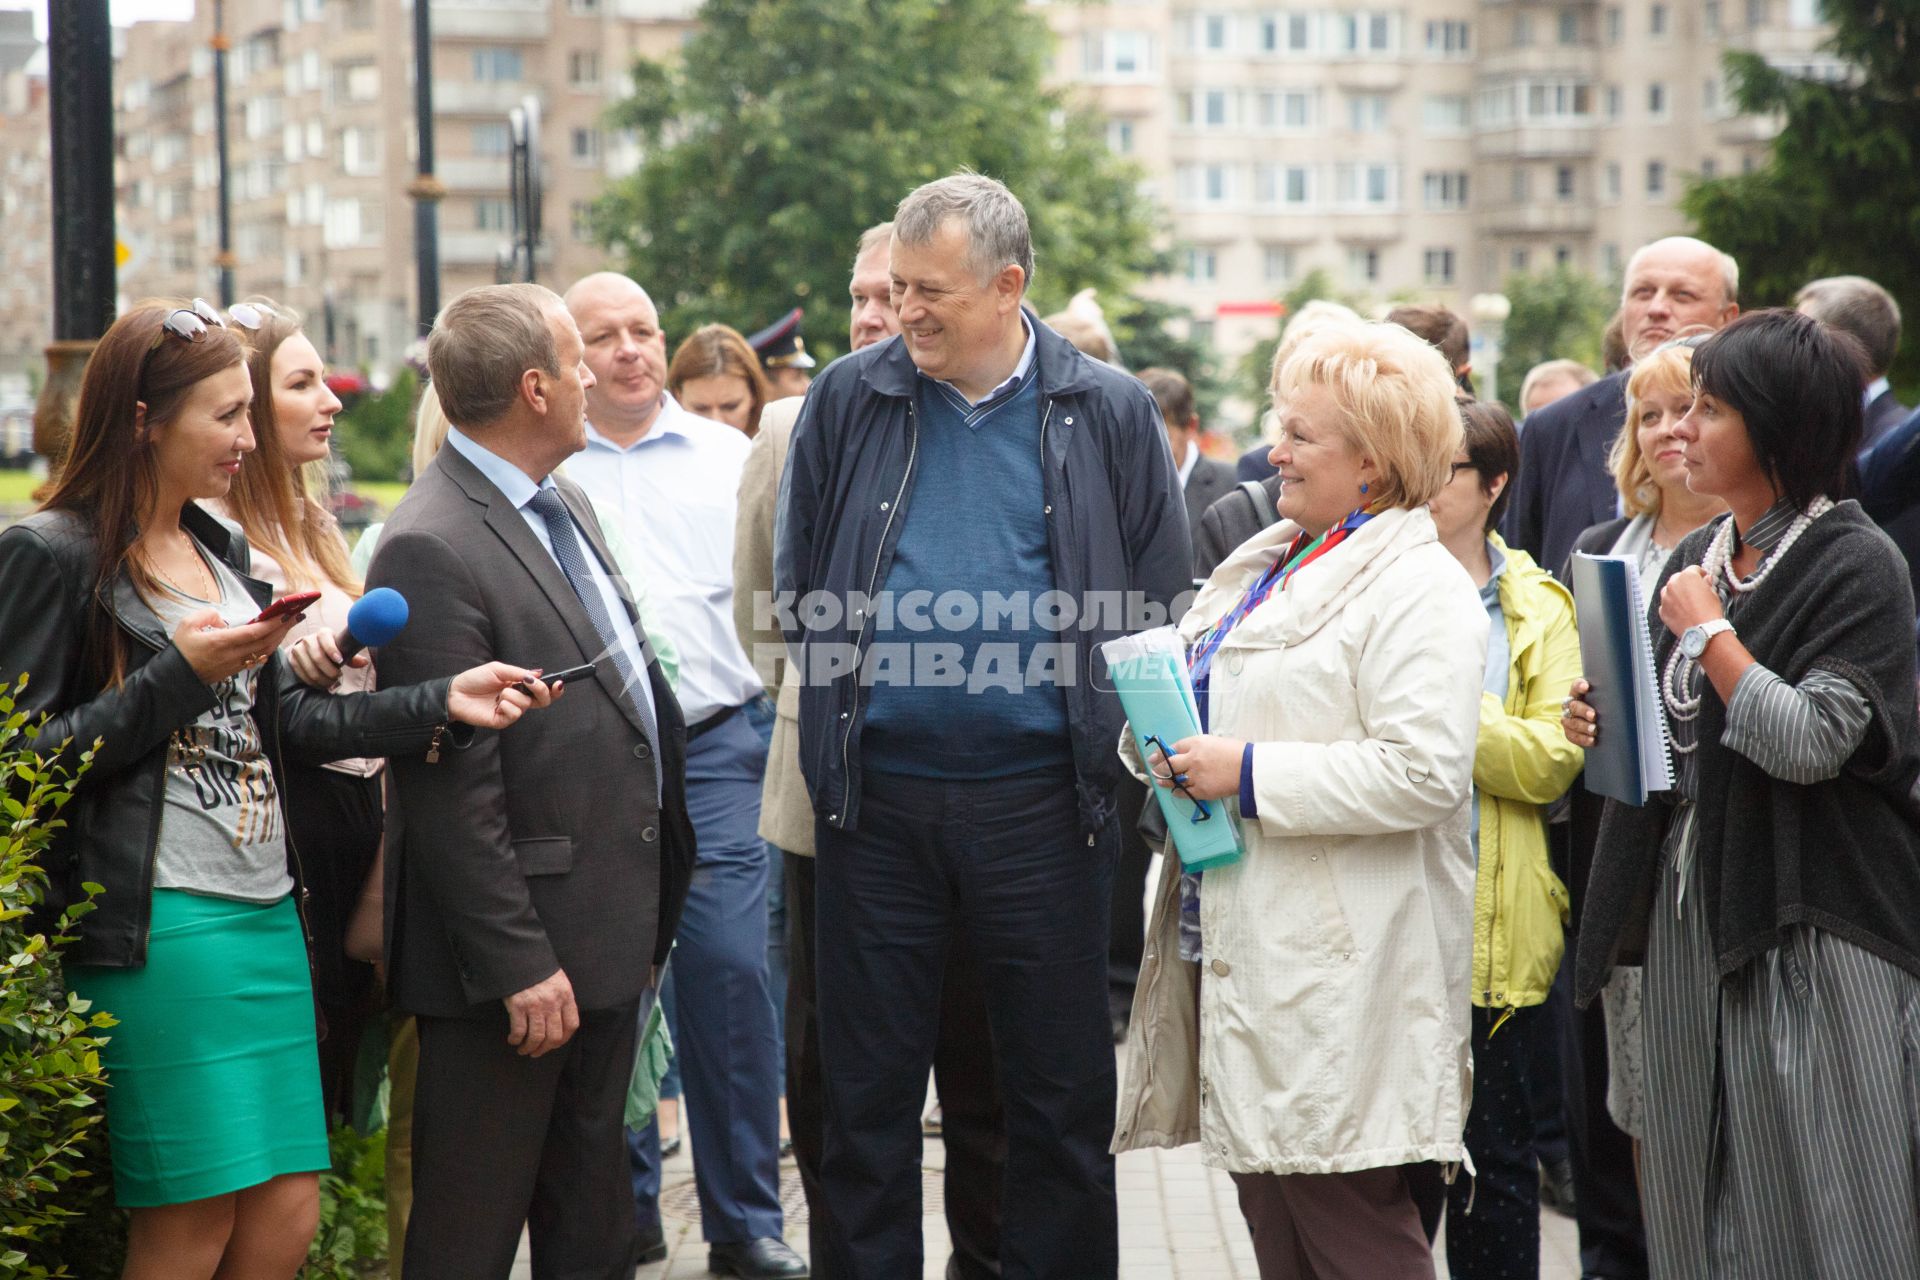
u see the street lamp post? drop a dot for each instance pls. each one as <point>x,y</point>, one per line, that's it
<point>1489,312</point>
<point>223,261</point>
<point>425,189</point>
<point>80,107</point>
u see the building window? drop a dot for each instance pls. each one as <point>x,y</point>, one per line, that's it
<point>583,68</point>
<point>1299,33</point>
<point>1448,39</point>
<point>1366,185</point>
<point>1710,17</point>
<point>1563,182</point>
<point>1203,266</point>
<point>1214,109</point>
<point>1657,20</point>
<point>1120,137</point>
<point>1212,32</point>
<point>1710,96</point>
<point>1612,189</point>
<point>1559,100</point>
<point>1367,112</point>
<point>1444,191</point>
<point>1610,259</point>
<point>1446,113</point>
<point>1437,266</point>
<point>492,139</point>
<point>496,64</point>
<point>360,151</point>
<point>1709,167</point>
<point>1365,32</point>
<point>1521,184</point>
<point>580,218</point>
<point>1569,27</point>
<point>1562,255</point>
<point>1613,102</point>
<point>1202,183</point>
<point>1289,109</point>
<point>493,215</point>
<point>1614,24</point>
<point>1363,266</point>
<point>1117,55</point>
<point>1656,178</point>
<point>1517,259</point>
<point>586,147</point>
<point>1657,100</point>
<point>584,6</point>
<point>1278,263</point>
<point>1522,30</point>
<point>1756,13</point>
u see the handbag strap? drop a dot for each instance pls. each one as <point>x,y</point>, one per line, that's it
<point>1263,508</point>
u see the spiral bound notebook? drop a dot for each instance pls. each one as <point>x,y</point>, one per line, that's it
<point>1634,756</point>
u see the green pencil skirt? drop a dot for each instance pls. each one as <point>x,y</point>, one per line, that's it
<point>213,1074</point>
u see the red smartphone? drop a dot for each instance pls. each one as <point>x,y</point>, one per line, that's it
<point>294,602</point>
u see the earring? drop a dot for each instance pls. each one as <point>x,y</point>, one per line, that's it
<point>1363,488</point>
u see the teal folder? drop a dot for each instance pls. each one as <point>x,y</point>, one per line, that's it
<point>1149,672</point>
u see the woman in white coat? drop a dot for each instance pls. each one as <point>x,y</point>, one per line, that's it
<point>1303,1013</point>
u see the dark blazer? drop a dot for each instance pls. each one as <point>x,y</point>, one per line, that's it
<point>1253,464</point>
<point>1207,483</point>
<point>48,565</point>
<point>1890,489</point>
<point>544,847</point>
<point>1231,521</point>
<point>1881,417</point>
<point>1564,486</point>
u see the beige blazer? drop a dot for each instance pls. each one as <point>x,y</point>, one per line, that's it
<point>786,811</point>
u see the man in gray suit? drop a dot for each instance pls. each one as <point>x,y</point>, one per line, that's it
<point>534,879</point>
<point>1203,481</point>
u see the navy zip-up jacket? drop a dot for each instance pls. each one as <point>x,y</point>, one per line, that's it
<point>1116,528</point>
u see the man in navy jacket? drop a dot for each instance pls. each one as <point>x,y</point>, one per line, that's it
<point>967,511</point>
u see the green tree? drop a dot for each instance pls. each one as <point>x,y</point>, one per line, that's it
<point>1840,192</point>
<point>1155,334</point>
<point>1557,315</point>
<point>1254,373</point>
<point>376,434</point>
<point>790,126</point>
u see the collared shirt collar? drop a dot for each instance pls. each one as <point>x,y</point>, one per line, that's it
<point>1018,376</point>
<point>509,479</point>
<point>1188,463</point>
<point>666,423</point>
<point>1768,529</point>
<point>1490,593</point>
<point>1875,389</point>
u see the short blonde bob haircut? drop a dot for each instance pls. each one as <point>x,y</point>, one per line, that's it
<point>1396,401</point>
<point>1667,370</point>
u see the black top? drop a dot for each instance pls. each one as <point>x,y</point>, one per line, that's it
<point>1842,855</point>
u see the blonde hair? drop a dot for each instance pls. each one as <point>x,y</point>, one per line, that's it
<point>1317,316</point>
<point>429,429</point>
<point>1395,396</point>
<point>1668,369</point>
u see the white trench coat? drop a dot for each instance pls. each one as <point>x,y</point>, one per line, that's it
<point>1332,1020</point>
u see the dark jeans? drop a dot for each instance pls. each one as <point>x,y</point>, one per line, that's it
<point>1005,862</point>
<point>1129,911</point>
<point>972,1127</point>
<point>1498,1237</point>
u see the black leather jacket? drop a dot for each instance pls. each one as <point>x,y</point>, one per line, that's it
<point>48,565</point>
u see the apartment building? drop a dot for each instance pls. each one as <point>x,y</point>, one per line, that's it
<point>1421,149</point>
<point>322,148</point>
<point>26,250</point>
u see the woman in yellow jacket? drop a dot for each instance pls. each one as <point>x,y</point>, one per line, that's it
<point>1520,905</point>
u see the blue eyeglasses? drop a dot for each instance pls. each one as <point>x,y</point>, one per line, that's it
<point>1201,810</point>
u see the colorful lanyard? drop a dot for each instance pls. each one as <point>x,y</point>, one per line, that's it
<point>1296,558</point>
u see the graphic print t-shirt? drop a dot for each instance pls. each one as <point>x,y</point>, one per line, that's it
<point>220,829</point>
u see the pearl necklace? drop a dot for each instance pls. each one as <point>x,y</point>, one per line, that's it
<point>1679,687</point>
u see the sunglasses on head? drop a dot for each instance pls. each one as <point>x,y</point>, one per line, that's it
<point>189,324</point>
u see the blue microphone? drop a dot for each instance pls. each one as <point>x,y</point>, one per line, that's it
<point>374,619</point>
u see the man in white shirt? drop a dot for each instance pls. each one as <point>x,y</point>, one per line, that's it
<point>674,479</point>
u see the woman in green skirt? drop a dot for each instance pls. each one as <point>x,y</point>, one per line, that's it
<point>132,610</point>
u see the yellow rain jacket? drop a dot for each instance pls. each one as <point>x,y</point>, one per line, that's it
<point>1522,763</point>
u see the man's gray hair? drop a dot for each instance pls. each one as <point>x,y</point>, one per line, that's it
<point>482,342</point>
<point>1856,305</point>
<point>872,238</point>
<point>996,223</point>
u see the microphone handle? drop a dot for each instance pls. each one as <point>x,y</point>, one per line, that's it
<point>349,645</point>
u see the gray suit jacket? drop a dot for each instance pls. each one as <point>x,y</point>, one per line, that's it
<point>1207,483</point>
<point>544,847</point>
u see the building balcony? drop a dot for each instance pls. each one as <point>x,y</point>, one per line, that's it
<point>1541,61</point>
<point>1745,130</point>
<point>477,97</point>
<point>474,173</point>
<point>1369,75</point>
<point>495,20</point>
<point>1568,218</point>
<point>1533,141</point>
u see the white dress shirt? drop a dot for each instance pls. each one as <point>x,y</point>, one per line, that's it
<point>519,489</point>
<point>676,491</point>
<point>1187,463</point>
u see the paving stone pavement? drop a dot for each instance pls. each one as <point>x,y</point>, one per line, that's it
<point>1179,1220</point>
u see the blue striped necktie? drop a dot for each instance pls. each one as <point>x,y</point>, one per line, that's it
<point>546,504</point>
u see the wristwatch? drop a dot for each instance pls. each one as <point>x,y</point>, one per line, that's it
<point>1694,640</point>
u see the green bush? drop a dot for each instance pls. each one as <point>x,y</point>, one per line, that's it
<point>50,1076</point>
<point>376,435</point>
